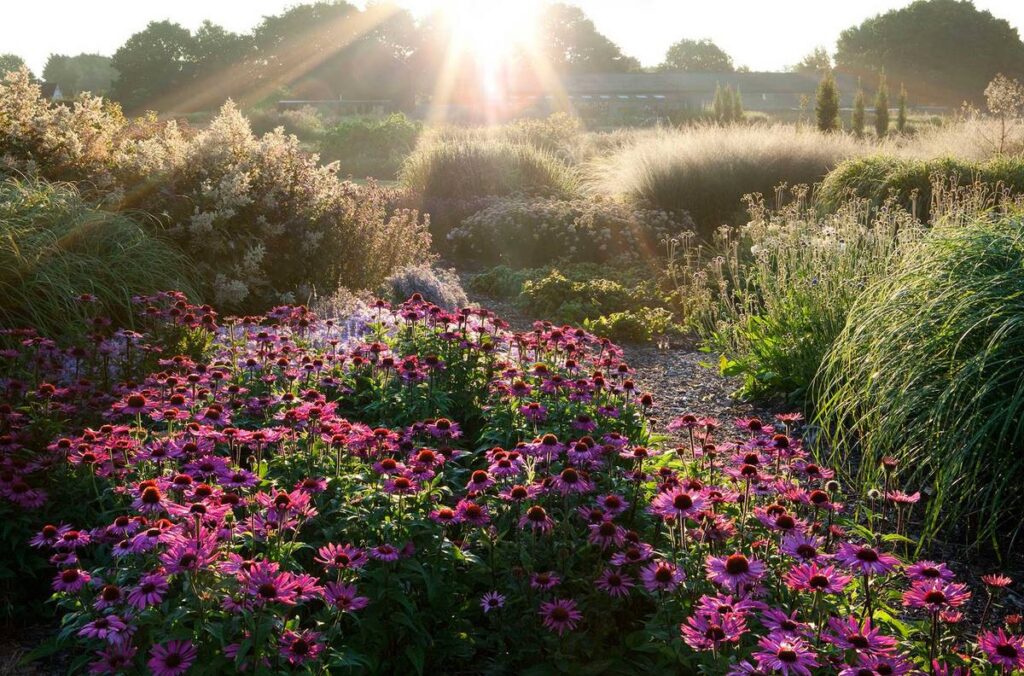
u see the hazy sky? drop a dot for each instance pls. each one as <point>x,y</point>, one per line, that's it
<point>759,34</point>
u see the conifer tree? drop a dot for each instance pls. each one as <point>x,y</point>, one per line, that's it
<point>901,114</point>
<point>737,106</point>
<point>826,105</point>
<point>882,108</point>
<point>857,121</point>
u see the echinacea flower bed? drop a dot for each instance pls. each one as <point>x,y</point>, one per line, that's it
<point>412,490</point>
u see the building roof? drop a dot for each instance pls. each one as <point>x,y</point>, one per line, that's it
<point>679,83</point>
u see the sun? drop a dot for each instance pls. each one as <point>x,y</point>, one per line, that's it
<point>492,35</point>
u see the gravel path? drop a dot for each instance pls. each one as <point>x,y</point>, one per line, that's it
<point>681,378</point>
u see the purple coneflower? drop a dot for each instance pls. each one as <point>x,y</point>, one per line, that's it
<point>785,655</point>
<point>851,634</point>
<point>298,648</point>
<point>344,597</point>
<point>614,583</point>
<point>536,518</point>
<point>733,571</point>
<point>561,615</point>
<point>661,576</point>
<point>172,658</point>
<point>703,631</point>
<point>544,580</point>
<point>865,559</point>
<point>809,577</point>
<point>935,595</point>
<point>929,570</point>
<point>1004,651</point>
<point>492,600</point>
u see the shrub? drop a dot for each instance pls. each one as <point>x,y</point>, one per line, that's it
<point>463,169</point>
<point>370,146</point>
<point>501,282</point>
<point>929,370</point>
<point>62,261</point>
<point>632,326</point>
<point>909,182</point>
<point>707,170</point>
<point>531,231</point>
<point>251,212</point>
<point>435,285</point>
<point>306,123</point>
<point>773,295</point>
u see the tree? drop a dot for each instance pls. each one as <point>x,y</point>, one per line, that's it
<point>857,119</point>
<point>9,62</point>
<point>1005,101</point>
<point>882,108</point>
<point>901,114</point>
<point>92,73</point>
<point>697,56</point>
<point>572,44</point>
<point>947,48</point>
<point>718,103</point>
<point>737,106</point>
<point>826,105</point>
<point>817,61</point>
<point>152,65</point>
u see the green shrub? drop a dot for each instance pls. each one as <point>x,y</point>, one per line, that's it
<point>930,370</point>
<point>55,248</point>
<point>584,293</point>
<point>445,169</point>
<point>306,123</point>
<point>532,231</point>
<point>773,295</point>
<point>707,170</point>
<point>632,326</point>
<point>909,182</point>
<point>500,282</point>
<point>370,146</point>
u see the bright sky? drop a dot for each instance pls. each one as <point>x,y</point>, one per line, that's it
<point>761,35</point>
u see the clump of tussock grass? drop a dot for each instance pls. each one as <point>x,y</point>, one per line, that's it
<point>55,247</point>
<point>929,369</point>
<point>446,168</point>
<point>706,170</point>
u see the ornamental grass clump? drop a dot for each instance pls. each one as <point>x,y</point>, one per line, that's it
<point>928,372</point>
<point>414,490</point>
<point>63,261</point>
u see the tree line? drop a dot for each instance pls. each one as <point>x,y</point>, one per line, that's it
<point>945,51</point>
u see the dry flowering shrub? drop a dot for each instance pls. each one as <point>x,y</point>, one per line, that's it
<point>526,231</point>
<point>250,211</point>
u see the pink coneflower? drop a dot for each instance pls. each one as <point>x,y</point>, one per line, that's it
<point>70,580</point>
<point>492,600</point>
<point>442,428</point>
<point>777,621</point>
<point>266,585</point>
<point>678,503</point>
<point>534,412</point>
<point>536,518</point>
<point>929,570</point>
<point>733,571</point>
<point>879,665</point>
<point>935,595</point>
<point>561,615</point>
<point>726,603</point>
<point>109,628</point>
<point>479,481</point>
<point>865,559</point>
<point>633,553</point>
<point>298,648</point>
<point>49,536</point>
<point>110,595</point>
<point>613,503</point>
<point>571,480</point>
<point>467,511</point>
<point>802,546</point>
<point>785,655</point>
<point>996,580</point>
<point>172,658</point>
<point>710,632</point>
<point>661,576</point>
<point>344,597</point>
<point>606,534</point>
<point>851,634</point>
<point>1004,651</point>
<point>401,485</point>
<point>614,583</point>
<point>341,557</point>
<point>901,498</point>
<point>809,577</point>
<point>114,659</point>
<point>544,581</point>
<point>385,552</point>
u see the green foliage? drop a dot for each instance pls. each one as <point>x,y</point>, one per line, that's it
<point>568,42</point>
<point>370,146</point>
<point>929,370</point>
<point>10,62</point>
<point>826,104</point>
<point>700,56</point>
<point>776,292</point>
<point>706,170</point>
<point>464,169</point>
<point>857,117</point>
<point>501,282</point>
<point>947,48</point>
<point>639,326</point>
<point>532,231</point>
<point>82,73</point>
<point>54,248</point>
<point>818,62</point>
<point>882,108</point>
<point>901,114</point>
<point>909,183</point>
